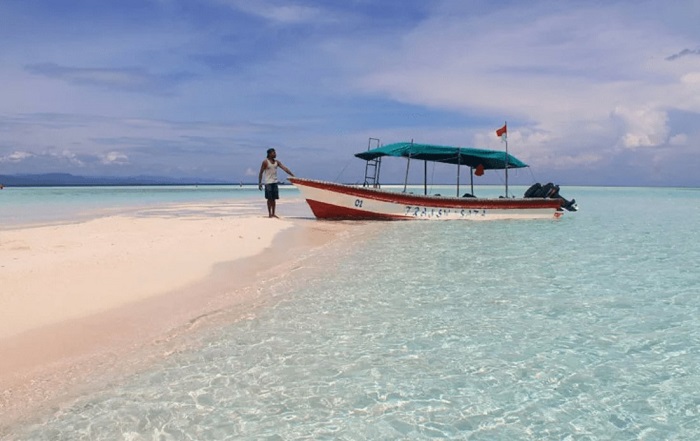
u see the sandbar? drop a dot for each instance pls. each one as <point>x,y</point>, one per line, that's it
<point>85,297</point>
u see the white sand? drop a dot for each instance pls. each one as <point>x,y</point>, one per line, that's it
<point>81,297</point>
<point>56,273</point>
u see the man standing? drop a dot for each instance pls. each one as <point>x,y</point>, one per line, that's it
<point>268,176</point>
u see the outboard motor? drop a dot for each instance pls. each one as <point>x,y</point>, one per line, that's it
<point>550,191</point>
<point>533,190</point>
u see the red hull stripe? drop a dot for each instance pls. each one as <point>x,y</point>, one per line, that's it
<point>327,211</point>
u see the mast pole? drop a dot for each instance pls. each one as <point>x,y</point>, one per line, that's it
<point>506,125</point>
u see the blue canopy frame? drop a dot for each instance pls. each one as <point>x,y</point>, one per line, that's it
<point>469,156</point>
<point>472,157</point>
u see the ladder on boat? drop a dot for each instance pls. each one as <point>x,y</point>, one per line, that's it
<point>373,165</point>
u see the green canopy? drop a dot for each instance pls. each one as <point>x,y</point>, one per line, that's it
<point>489,159</point>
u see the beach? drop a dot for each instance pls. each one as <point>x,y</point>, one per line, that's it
<point>82,300</point>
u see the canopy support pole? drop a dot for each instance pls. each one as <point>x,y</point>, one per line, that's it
<point>425,178</point>
<point>405,180</point>
<point>459,166</point>
<point>408,164</point>
<point>471,173</point>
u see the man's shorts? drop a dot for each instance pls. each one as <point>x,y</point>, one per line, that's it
<point>272,191</point>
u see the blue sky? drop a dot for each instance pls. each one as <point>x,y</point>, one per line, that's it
<point>594,92</point>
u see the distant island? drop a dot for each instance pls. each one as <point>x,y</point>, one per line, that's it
<point>68,180</point>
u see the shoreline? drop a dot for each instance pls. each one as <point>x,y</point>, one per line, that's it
<point>51,364</point>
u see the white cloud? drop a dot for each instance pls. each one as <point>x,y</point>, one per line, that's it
<point>644,127</point>
<point>115,158</point>
<point>680,139</point>
<point>68,156</point>
<point>560,70</point>
<point>16,156</point>
<point>691,78</point>
<point>278,12</point>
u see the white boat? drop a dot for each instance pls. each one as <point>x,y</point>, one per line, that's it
<point>329,200</point>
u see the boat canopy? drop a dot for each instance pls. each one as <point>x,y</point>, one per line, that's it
<point>488,159</point>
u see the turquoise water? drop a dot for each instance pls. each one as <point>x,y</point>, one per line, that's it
<point>584,328</point>
<point>43,205</point>
<point>23,205</point>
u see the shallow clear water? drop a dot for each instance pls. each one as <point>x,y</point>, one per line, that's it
<point>582,328</point>
<point>24,205</point>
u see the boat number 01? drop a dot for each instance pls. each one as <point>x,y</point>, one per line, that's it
<point>358,203</point>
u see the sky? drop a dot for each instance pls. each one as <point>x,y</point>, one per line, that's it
<point>593,92</point>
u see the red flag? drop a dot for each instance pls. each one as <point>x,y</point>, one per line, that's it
<point>479,170</point>
<point>502,131</point>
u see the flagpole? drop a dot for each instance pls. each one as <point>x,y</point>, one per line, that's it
<point>505,124</point>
